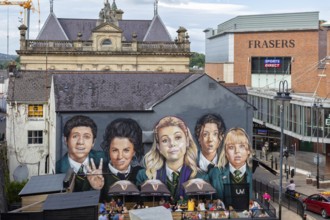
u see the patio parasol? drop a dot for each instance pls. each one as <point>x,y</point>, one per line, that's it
<point>123,188</point>
<point>154,188</point>
<point>198,187</point>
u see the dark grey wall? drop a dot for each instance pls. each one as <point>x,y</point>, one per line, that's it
<point>190,103</point>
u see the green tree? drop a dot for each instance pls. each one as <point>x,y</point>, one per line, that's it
<point>197,59</point>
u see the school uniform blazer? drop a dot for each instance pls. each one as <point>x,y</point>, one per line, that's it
<point>161,175</point>
<point>220,176</point>
<point>198,159</point>
<point>110,178</point>
<point>63,165</point>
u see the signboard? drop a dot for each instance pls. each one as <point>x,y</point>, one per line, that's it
<point>272,63</point>
<point>327,121</point>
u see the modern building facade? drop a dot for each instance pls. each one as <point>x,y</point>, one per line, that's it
<point>260,51</point>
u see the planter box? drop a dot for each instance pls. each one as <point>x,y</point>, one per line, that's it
<point>309,180</point>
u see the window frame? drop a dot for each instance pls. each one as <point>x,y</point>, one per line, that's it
<point>35,137</point>
<point>107,42</point>
<point>258,65</point>
<point>35,113</point>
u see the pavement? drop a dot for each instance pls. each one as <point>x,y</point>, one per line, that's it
<point>305,166</point>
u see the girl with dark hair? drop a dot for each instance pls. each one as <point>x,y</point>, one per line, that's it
<point>122,142</point>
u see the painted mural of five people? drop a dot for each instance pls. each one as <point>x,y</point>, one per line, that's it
<point>222,158</point>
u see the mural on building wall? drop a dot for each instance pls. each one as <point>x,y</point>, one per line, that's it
<point>221,160</point>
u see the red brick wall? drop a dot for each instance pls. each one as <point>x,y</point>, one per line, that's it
<point>305,54</point>
<point>215,70</point>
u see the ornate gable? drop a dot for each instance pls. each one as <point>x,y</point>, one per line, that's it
<point>107,28</point>
<point>107,37</point>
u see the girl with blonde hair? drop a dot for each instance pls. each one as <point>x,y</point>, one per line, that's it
<point>233,177</point>
<point>172,158</point>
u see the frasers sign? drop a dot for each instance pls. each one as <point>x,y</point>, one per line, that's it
<point>272,44</point>
<point>273,63</point>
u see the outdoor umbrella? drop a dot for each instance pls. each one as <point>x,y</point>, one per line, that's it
<point>154,188</point>
<point>123,188</point>
<point>198,187</point>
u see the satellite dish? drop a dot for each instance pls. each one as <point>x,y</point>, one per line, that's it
<point>21,173</point>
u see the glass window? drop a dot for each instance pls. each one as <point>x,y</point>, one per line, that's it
<point>308,121</point>
<point>327,122</point>
<point>106,42</point>
<point>271,65</point>
<point>35,111</point>
<point>35,137</point>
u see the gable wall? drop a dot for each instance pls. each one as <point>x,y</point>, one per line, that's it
<point>190,103</point>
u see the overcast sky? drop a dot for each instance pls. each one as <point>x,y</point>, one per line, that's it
<point>194,15</point>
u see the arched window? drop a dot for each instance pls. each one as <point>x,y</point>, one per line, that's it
<point>106,42</point>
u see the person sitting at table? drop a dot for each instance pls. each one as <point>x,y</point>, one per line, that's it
<point>220,205</point>
<point>182,202</point>
<point>201,206</point>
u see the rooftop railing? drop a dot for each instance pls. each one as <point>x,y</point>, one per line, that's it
<point>58,46</point>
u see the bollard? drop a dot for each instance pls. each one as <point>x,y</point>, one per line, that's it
<point>271,162</point>
<point>287,175</point>
<point>292,173</point>
<point>275,163</point>
<point>305,217</point>
<point>285,168</point>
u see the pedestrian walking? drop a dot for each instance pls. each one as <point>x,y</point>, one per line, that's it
<point>266,197</point>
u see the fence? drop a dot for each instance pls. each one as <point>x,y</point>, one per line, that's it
<point>292,203</point>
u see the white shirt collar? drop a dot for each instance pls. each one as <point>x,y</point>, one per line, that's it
<point>115,171</point>
<point>169,172</point>
<point>203,162</point>
<point>242,169</point>
<point>76,166</point>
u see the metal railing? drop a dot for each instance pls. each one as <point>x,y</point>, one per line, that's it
<point>292,203</point>
<point>64,45</point>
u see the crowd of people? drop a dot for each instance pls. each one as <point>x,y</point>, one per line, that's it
<point>189,209</point>
<point>113,210</point>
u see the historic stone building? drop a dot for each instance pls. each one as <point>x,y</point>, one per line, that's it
<point>109,43</point>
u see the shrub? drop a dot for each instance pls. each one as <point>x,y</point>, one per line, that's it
<point>12,191</point>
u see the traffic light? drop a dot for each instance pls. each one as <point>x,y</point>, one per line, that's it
<point>286,153</point>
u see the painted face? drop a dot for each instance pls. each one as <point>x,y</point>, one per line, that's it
<point>121,152</point>
<point>172,143</point>
<point>209,139</point>
<point>237,154</point>
<point>80,143</point>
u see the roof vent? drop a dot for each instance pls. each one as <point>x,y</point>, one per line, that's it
<point>212,86</point>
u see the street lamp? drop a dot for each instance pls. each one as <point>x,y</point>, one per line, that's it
<point>283,95</point>
<point>317,105</point>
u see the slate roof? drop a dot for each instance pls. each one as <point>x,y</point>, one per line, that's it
<point>53,30</point>
<point>68,28</point>
<point>29,87</point>
<point>43,184</point>
<point>239,90</point>
<point>72,200</point>
<point>156,31</point>
<point>133,91</point>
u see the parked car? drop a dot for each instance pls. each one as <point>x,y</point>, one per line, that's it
<point>319,203</point>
